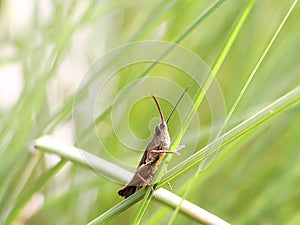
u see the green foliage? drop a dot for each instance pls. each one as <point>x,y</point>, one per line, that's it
<point>253,52</point>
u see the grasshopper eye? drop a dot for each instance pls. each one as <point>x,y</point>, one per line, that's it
<point>157,130</point>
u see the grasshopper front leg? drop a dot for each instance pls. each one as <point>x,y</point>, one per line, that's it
<point>179,147</point>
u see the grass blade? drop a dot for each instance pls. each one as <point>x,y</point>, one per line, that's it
<point>278,106</point>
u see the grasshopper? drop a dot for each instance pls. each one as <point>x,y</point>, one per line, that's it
<point>153,155</point>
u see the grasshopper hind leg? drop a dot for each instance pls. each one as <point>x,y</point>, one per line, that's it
<point>149,184</point>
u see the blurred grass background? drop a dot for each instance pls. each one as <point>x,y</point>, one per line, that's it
<point>47,46</point>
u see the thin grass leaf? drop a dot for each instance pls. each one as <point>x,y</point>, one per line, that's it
<point>144,73</point>
<point>65,110</point>
<point>37,185</point>
<point>278,106</point>
<point>246,85</point>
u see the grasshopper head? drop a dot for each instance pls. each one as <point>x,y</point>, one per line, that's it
<point>162,137</point>
<point>162,134</point>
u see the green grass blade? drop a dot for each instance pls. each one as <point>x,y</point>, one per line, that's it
<point>36,186</point>
<point>261,59</point>
<point>117,209</point>
<point>181,37</point>
<point>273,109</point>
<point>214,72</point>
<point>166,197</point>
<point>246,85</point>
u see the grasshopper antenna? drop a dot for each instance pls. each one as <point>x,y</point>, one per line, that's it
<point>177,103</point>
<point>159,109</point>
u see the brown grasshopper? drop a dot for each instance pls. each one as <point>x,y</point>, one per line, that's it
<point>152,156</point>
